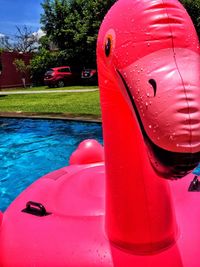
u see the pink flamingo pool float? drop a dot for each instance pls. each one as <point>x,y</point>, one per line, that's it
<point>142,207</point>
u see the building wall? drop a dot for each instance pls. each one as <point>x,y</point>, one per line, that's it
<point>9,76</point>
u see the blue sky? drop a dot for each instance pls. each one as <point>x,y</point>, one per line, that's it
<point>19,12</point>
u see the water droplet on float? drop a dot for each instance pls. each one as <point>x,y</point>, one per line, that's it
<point>150,126</point>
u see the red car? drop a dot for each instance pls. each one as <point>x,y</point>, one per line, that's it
<point>61,76</point>
<point>89,76</point>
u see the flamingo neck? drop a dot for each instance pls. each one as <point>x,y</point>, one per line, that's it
<point>139,209</point>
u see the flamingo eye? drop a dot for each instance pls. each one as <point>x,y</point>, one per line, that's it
<point>108,46</point>
<point>154,85</point>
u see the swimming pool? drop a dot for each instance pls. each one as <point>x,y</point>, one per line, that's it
<point>31,148</point>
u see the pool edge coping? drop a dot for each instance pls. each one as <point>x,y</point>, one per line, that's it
<point>51,116</point>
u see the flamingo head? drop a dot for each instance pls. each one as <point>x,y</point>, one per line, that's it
<point>150,50</point>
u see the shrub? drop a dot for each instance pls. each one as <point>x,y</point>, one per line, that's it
<point>40,63</point>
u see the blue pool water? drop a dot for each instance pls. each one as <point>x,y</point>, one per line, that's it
<point>31,148</point>
<point>197,170</point>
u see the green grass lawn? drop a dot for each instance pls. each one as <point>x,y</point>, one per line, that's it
<point>74,103</point>
<point>43,88</point>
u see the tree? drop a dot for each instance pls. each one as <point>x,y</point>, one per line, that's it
<point>193,8</point>
<point>5,43</point>
<point>73,26</point>
<point>23,68</point>
<point>25,40</point>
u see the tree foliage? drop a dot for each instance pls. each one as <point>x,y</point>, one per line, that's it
<point>45,60</point>
<point>73,26</point>
<point>23,68</point>
<point>193,9</point>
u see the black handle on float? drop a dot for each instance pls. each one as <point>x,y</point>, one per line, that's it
<point>195,185</point>
<point>36,209</point>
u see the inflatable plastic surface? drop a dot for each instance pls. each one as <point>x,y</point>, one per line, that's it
<point>87,152</point>
<point>134,210</point>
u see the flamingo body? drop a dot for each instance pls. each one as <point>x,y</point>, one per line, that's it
<point>135,209</point>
